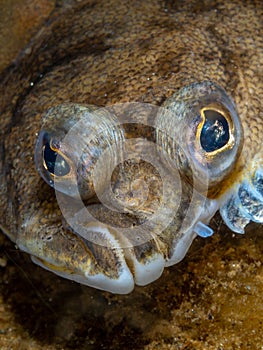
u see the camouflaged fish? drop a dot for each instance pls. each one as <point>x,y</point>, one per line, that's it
<point>124,128</point>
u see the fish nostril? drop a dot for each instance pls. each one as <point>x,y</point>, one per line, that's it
<point>203,230</point>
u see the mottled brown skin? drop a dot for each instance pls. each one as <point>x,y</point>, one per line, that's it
<point>96,53</point>
<point>19,21</point>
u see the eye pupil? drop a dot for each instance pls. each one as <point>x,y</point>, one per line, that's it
<point>54,162</point>
<point>215,131</point>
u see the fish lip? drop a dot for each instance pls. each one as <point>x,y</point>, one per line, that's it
<point>123,285</point>
<point>139,274</point>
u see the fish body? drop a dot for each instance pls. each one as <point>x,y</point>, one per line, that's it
<point>196,64</point>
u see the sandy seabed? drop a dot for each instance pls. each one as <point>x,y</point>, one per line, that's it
<point>213,299</point>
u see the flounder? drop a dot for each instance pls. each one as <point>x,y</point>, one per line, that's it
<point>124,130</point>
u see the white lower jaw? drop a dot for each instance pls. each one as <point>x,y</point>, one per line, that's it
<point>149,272</point>
<point>142,273</point>
<point>124,284</point>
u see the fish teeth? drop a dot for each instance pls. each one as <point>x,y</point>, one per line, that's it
<point>245,205</point>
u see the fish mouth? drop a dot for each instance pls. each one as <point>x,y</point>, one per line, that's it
<point>244,203</point>
<point>114,266</point>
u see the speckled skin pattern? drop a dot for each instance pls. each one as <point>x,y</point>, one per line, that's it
<point>91,52</point>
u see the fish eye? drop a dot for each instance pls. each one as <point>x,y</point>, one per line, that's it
<point>215,132</point>
<point>54,162</point>
<point>205,134</point>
